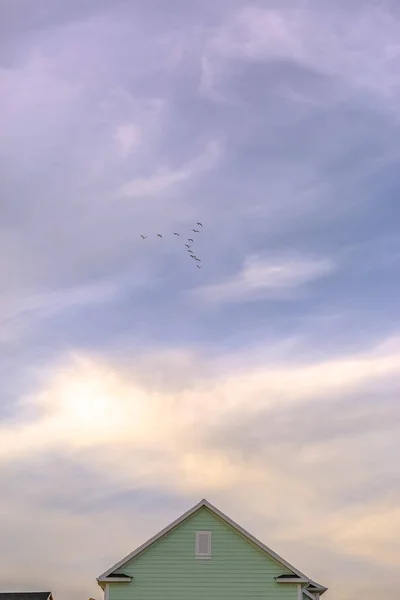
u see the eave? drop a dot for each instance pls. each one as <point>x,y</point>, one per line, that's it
<point>114,579</point>
<point>292,580</point>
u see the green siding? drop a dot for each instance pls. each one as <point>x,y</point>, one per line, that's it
<point>169,570</point>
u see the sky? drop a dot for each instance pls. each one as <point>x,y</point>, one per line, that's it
<point>268,381</point>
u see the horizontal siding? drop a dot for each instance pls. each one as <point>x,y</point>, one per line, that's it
<point>169,570</point>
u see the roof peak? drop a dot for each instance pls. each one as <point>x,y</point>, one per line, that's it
<point>186,515</point>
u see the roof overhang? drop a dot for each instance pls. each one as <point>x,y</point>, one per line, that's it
<point>317,589</point>
<point>307,584</point>
<point>291,580</point>
<point>116,579</point>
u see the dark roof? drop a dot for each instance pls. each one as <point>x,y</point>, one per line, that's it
<point>288,576</point>
<point>24,595</point>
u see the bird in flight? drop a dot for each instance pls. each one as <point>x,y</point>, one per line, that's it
<point>159,235</point>
<point>143,236</point>
<point>196,230</point>
<point>176,233</point>
<point>199,266</point>
<point>198,259</point>
<point>187,245</point>
<point>201,224</point>
<point>190,240</point>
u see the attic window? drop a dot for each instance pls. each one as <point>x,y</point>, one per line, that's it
<point>203,544</point>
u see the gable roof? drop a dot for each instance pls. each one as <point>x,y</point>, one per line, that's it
<point>26,596</point>
<point>296,575</point>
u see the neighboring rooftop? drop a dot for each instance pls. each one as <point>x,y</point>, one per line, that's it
<point>26,596</point>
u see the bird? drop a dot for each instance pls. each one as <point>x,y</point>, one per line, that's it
<point>196,230</point>
<point>190,240</point>
<point>187,245</point>
<point>199,266</point>
<point>198,223</point>
<point>159,235</point>
<point>143,236</point>
<point>176,233</point>
<point>198,259</point>
<point>192,256</point>
<point>190,251</point>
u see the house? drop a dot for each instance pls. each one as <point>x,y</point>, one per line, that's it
<point>26,596</point>
<point>204,555</point>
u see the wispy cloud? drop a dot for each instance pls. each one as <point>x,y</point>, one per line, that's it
<point>264,277</point>
<point>82,390</point>
<point>127,137</point>
<point>166,178</point>
<point>55,301</point>
<point>321,39</point>
<point>17,314</point>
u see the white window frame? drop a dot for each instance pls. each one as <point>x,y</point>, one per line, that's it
<point>203,555</point>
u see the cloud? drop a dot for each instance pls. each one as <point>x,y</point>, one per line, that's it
<point>257,426</point>
<point>167,178</point>
<point>18,313</point>
<point>323,39</point>
<point>263,277</point>
<point>49,91</point>
<point>85,391</point>
<point>124,402</point>
<point>127,137</point>
<point>54,301</point>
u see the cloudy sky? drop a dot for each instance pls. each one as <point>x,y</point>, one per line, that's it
<point>132,383</point>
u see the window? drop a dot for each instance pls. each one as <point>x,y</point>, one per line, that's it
<point>203,544</point>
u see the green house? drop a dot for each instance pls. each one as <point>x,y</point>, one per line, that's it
<point>204,555</point>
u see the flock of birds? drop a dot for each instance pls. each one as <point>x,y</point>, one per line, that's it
<point>188,246</point>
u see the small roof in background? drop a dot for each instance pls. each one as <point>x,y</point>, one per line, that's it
<point>26,596</point>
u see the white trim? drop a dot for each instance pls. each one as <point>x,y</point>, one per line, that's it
<point>223,517</point>
<point>209,540</point>
<point>289,580</point>
<point>299,592</point>
<point>315,594</point>
<point>115,579</point>
<point>107,592</point>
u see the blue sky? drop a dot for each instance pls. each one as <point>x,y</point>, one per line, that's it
<point>134,384</point>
